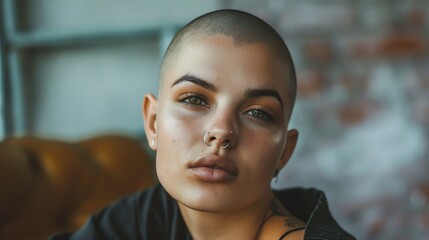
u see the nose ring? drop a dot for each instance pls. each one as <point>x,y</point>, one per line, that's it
<point>226,144</point>
<point>207,139</point>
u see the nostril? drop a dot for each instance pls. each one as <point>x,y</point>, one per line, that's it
<point>212,138</point>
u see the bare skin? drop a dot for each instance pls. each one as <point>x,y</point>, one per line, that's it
<point>238,94</point>
<point>279,221</point>
<point>273,224</point>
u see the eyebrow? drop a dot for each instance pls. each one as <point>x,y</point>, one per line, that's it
<point>253,93</point>
<point>195,80</point>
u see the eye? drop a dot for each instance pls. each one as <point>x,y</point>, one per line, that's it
<point>260,115</point>
<point>193,99</point>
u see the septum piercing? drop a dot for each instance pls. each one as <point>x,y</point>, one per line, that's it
<point>226,144</point>
<point>206,139</point>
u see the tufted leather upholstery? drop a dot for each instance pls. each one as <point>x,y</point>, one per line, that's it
<point>48,186</point>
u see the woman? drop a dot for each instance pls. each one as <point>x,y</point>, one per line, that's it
<point>220,129</point>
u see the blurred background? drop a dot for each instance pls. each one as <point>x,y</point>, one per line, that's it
<point>74,69</point>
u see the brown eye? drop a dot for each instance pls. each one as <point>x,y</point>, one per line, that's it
<point>194,100</point>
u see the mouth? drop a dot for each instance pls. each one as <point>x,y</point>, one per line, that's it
<point>213,168</point>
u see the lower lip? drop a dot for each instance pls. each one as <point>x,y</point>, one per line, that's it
<point>214,175</point>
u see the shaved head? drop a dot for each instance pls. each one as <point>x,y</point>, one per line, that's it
<point>243,28</point>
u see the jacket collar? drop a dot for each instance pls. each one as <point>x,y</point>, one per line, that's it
<point>311,206</point>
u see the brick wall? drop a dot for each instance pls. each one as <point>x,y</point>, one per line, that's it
<point>362,109</point>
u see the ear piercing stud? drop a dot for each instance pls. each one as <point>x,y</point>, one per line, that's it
<point>276,175</point>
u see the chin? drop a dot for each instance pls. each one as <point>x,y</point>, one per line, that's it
<point>207,198</point>
<point>206,206</point>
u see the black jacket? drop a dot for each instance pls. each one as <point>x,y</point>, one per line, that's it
<point>154,214</point>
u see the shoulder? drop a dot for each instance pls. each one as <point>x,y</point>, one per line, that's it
<point>279,227</point>
<point>131,207</point>
<point>281,224</point>
<point>311,206</point>
<point>130,216</point>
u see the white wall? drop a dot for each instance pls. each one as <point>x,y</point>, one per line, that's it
<point>81,14</point>
<point>79,91</point>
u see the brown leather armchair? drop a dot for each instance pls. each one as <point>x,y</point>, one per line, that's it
<point>47,186</point>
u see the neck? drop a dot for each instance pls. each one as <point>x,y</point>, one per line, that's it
<point>242,223</point>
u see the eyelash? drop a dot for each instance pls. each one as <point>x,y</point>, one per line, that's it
<point>188,97</point>
<point>265,116</point>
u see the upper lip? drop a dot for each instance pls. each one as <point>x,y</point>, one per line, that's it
<point>215,161</point>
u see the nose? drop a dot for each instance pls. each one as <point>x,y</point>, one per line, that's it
<point>221,139</point>
<point>222,133</point>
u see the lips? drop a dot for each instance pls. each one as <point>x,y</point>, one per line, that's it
<point>214,168</point>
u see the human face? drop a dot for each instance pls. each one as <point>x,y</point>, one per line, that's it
<point>237,93</point>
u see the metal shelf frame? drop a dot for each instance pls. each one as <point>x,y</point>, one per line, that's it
<point>13,42</point>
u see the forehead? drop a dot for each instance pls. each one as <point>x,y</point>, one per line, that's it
<point>217,56</point>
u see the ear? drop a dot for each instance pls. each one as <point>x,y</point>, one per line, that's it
<point>292,138</point>
<point>149,117</point>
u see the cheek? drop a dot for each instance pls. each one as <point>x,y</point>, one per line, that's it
<point>177,134</point>
<point>263,150</point>
<point>265,140</point>
<point>171,131</point>
<point>170,134</point>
